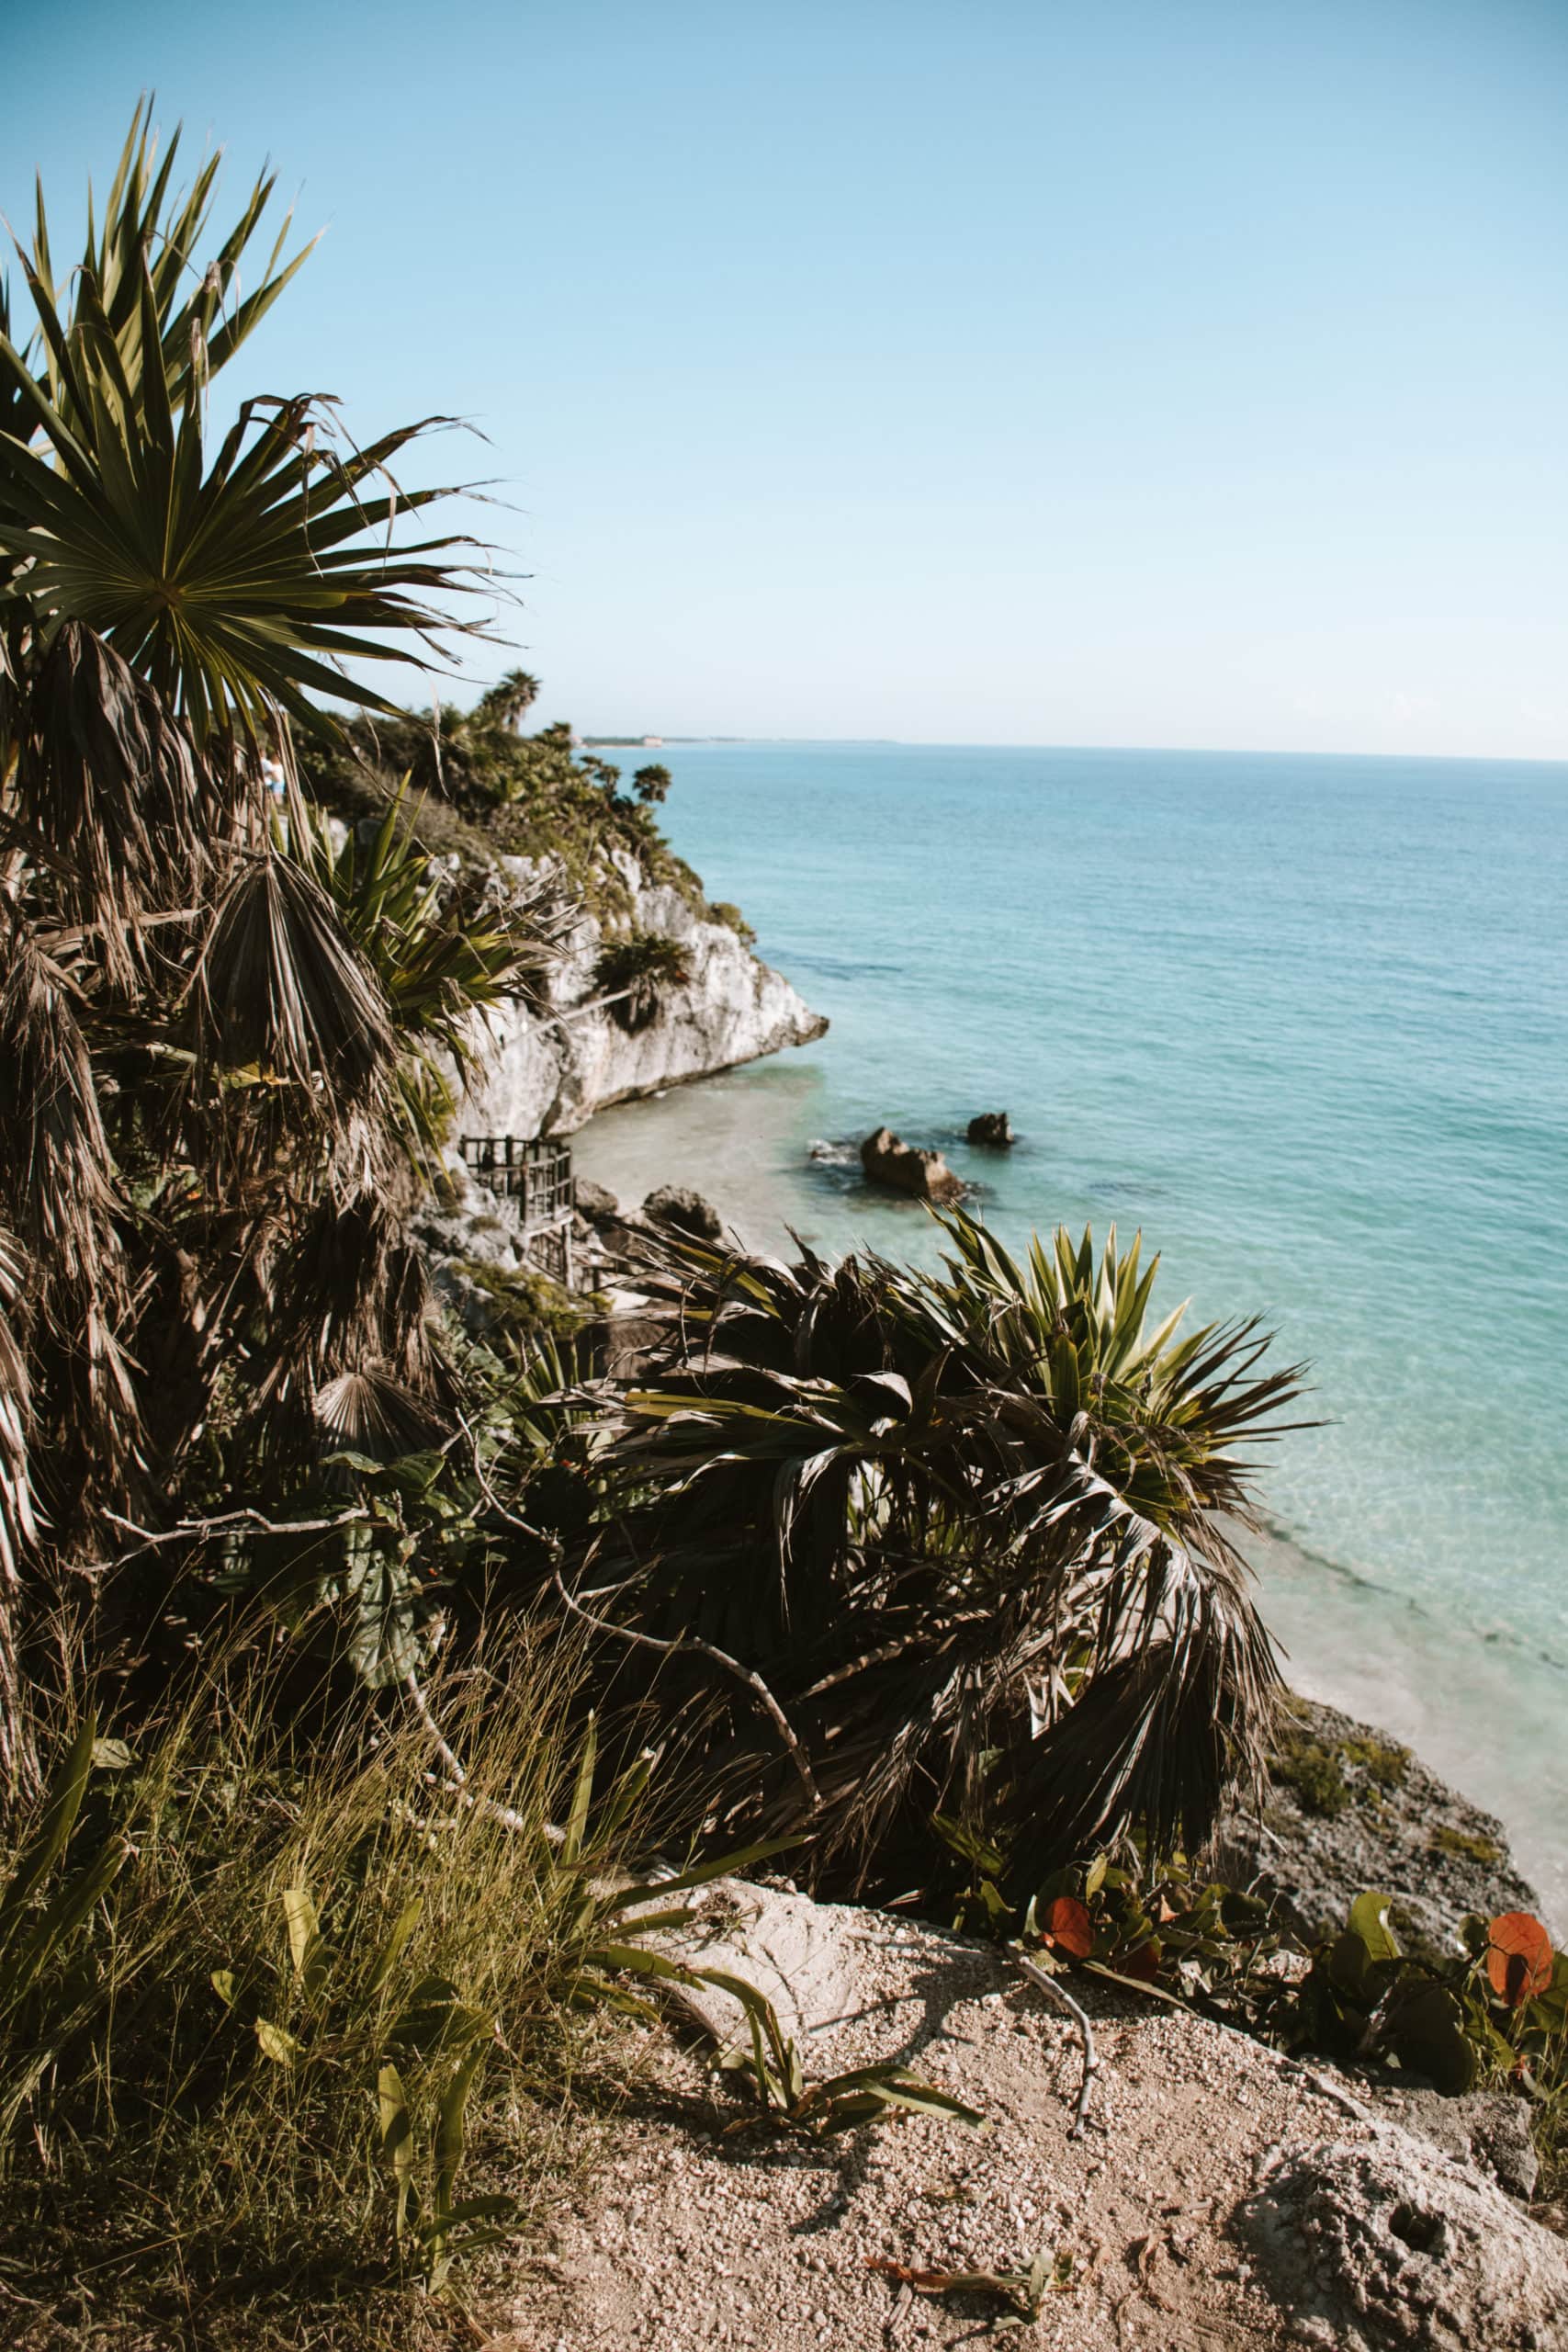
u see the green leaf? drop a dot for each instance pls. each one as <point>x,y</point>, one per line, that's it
<point>276,2042</point>
<point>306,1948</point>
<point>1369,1919</point>
<point>397,2140</point>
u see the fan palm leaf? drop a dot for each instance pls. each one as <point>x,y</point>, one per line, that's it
<point>970,1526</point>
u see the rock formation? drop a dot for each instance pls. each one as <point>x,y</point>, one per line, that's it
<point>993,1129</point>
<point>549,1076</point>
<point>679,1206</point>
<point>1347,1808</point>
<point>1386,2243</point>
<point>904,1168</point>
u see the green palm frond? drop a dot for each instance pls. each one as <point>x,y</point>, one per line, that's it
<point>445,952</point>
<point>197,318</point>
<point>237,590</point>
<point>973,1529</point>
<point>237,586</point>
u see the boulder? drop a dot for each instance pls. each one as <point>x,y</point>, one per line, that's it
<point>991,1128</point>
<point>904,1168</point>
<point>687,1212</point>
<point>1384,2243</point>
<point>796,1952</point>
<point>596,1201</point>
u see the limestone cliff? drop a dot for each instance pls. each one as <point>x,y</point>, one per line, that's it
<point>549,1075</point>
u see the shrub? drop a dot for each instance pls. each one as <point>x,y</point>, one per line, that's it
<point>636,970</point>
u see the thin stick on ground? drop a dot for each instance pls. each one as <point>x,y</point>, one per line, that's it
<point>1086,2034</point>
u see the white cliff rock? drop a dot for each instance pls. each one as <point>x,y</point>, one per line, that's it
<point>549,1076</point>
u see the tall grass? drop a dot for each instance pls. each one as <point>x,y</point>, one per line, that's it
<point>307,1992</point>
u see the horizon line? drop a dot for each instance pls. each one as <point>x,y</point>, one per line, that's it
<point>595,739</point>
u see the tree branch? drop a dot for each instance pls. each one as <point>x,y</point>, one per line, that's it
<point>1086,2034</point>
<point>690,1642</point>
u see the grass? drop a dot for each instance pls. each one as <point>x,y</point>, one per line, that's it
<point>194,2093</point>
<point>1464,1842</point>
<point>1329,1776</point>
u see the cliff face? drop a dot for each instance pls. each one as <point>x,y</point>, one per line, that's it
<point>549,1076</point>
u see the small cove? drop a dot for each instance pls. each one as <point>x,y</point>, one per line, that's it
<point>1305,1022</point>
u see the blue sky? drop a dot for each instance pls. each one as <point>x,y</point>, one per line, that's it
<point>1145,374</point>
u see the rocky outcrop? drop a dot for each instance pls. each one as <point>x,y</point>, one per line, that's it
<point>904,1168</point>
<point>549,1075</point>
<point>991,1129</point>
<point>1349,1810</point>
<point>679,1206</point>
<point>1378,2245</point>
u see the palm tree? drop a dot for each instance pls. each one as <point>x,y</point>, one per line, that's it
<point>508,702</point>
<point>972,1530</point>
<point>208,1024</point>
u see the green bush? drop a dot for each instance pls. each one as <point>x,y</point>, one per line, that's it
<point>636,970</point>
<point>723,911</point>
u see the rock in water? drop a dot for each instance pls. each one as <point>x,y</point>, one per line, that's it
<point>992,1128</point>
<point>888,1160</point>
<point>678,1205</point>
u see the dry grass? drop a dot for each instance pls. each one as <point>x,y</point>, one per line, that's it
<point>185,2169</point>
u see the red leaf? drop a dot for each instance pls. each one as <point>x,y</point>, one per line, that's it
<point>1519,1957</point>
<point>1069,1928</point>
<point>1144,1964</point>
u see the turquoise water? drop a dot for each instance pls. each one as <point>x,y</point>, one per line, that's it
<point>1305,1022</point>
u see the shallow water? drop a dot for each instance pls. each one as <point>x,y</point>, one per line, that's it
<point>1305,1021</point>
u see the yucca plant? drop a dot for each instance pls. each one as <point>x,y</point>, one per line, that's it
<point>219,1039</point>
<point>974,1532</point>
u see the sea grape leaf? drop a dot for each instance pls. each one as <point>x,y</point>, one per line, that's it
<point>1520,1957</point>
<point>1069,1928</point>
<point>1369,1919</point>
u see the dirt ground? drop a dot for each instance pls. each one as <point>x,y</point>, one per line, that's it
<point>693,2235</point>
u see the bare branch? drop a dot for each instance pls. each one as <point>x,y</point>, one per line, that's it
<point>689,1643</point>
<point>202,1531</point>
<point>1086,2034</point>
<point>458,1778</point>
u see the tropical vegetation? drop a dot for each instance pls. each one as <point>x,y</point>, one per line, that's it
<point>228,1038</point>
<point>974,1531</point>
<point>315,1832</point>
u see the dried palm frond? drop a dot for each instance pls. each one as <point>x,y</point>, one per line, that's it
<point>54,1157</point>
<point>371,1411</point>
<point>351,1293</point>
<point>284,993</point>
<point>107,797</point>
<point>19,1527</point>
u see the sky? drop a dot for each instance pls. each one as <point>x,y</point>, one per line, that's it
<point>1119,373</point>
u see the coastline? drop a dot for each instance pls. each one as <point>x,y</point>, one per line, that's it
<point>1348,1641</point>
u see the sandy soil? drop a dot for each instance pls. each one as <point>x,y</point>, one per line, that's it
<point>694,2235</point>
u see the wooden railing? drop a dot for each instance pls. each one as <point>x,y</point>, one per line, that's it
<point>536,1173</point>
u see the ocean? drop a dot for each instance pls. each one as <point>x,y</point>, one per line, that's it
<point>1301,1021</point>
